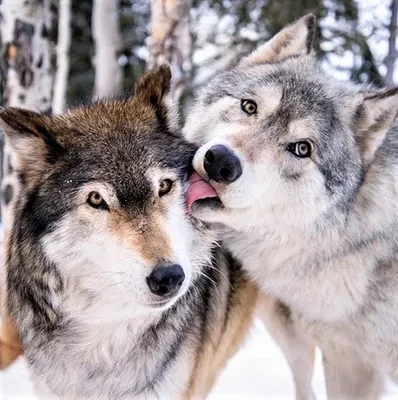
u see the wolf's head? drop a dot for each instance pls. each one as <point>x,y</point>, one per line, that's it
<point>104,198</point>
<point>281,140</point>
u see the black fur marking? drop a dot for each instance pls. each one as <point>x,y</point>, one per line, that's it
<point>55,150</point>
<point>40,217</point>
<point>8,193</point>
<point>234,270</point>
<point>293,177</point>
<point>311,26</point>
<point>382,95</point>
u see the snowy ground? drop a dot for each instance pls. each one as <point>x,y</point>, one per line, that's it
<point>258,371</point>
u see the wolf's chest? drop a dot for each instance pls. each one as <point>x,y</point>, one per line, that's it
<point>312,283</point>
<point>115,362</point>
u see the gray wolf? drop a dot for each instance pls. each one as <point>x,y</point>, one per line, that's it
<point>114,290</point>
<point>306,172</point>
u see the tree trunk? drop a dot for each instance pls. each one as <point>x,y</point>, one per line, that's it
<point>26,69</point>
<point>392,45</point>
<point>107,40</point>
<point>62,71</point>
<point>26,60</point>
<point>171,42</point>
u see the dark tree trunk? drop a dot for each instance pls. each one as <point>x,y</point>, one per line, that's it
<point>392,45</point>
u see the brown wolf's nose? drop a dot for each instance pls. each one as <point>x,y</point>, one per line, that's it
<point>222,165</point>
<point>166,280</point>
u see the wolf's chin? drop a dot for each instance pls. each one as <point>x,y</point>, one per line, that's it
<point>213,204</point>
<point>207,213</point>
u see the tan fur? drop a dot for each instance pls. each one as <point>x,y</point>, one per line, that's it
<point>150,240</point>
<point>224,341</point>
<point>300,128</point>
<point>10,345</point>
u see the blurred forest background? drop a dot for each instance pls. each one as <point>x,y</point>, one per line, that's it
<point>56,54</point>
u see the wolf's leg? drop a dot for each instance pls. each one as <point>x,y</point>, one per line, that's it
<point>350,378</point>
<point>299,352</point>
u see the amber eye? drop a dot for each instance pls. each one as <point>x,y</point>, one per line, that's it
<point>95,200</point>
<point>165,187</point>
<point>301,149</point>
<point>248,106</point>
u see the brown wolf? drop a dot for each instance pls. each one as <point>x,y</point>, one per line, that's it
<point>114,290</point>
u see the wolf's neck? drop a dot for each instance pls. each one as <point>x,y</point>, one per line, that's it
<point>131,355</point>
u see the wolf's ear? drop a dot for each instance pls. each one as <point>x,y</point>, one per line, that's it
<point>154,86</point>
<point>154,89</point>
<point>28,136</point>
<point>374,117</point>
<point>294,40</point>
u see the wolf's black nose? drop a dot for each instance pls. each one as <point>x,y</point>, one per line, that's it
<point>222,165</point>
<point>166,280</point>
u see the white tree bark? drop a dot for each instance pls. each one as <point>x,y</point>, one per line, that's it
<point>27,49</point>
<point>63,45</point>
<point>392,45</point>
<point>26,59</point>
<point>171,42</point>
<point>107,40</point>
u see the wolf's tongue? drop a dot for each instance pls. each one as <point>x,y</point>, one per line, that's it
<point>198,189</point>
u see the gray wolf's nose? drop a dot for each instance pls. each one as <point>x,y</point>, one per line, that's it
<point>222,165</point>
<point>166,280</point>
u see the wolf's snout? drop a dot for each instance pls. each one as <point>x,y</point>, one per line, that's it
<point>166,280</point>
<point>221,164</point>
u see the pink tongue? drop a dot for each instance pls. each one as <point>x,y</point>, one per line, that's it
<point>198,189</point>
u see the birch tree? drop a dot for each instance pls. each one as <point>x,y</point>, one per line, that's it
<point>27,73</point>
<point>392,45</point>
<point>63,44</point>
<point>107,41</point>
<point>26,30</point>
<point>171,42</point>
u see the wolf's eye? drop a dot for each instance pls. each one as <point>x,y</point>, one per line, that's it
<point>300,149</point>
<point>248,106</point>
<point>165,187</point>
<point>95,200</point>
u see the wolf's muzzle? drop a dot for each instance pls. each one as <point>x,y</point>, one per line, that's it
<point>166,280</point>
<point>222,165</point>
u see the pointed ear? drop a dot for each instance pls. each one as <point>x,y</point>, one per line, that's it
<point>28,136</point>
<point>154,86</point>
<point>294,40</point>
<point>375,115</point>
<point>154,89</point>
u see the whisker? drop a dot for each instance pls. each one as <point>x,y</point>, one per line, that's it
<point>195,289</point>
<point>217,244</point>
<point>222,274</point>
<point>104,272</point>
<point>111,285</point>
<point>208,277</point>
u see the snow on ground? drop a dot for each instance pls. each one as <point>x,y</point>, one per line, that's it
<point>258,371</point>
